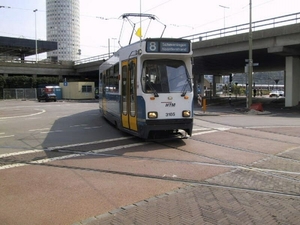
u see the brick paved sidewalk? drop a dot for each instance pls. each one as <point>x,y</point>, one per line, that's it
<point>206,205</point>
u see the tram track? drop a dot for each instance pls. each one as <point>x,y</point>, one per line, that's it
<point>175,179</point>
<point>247,150</point>
<point>252,136</point>
<point>243,166</point>
<point>191,182</point>
<point>92,150</point>
<point>257,128</point>
<point>68,150</point>
<point>228,164</point>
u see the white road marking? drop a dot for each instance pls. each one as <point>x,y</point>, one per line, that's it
<point>209,130</point>
<point>39,129</point>
<point>52,131</point>
<point>201,129</point>
<point>87,143</point>
<point>119,147</point>
<point>88,128</point>
<point>79,125</point>
<point>66,156</point>
<point>205,132</point>
<point>34,114</point>
<point>7,136</point>
<point>12,166</point>
<point>19,153</point>
<point>222,128</point>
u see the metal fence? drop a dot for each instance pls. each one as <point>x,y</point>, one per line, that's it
<point>20,93</point>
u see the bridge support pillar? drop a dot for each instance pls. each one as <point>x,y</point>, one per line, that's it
<point>292,81</point>
<point>199,82</point>
<point>216,79</point>
<point>202,84</point>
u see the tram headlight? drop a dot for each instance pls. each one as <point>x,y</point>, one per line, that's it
<point>186,113</point>
<point>152,115</point>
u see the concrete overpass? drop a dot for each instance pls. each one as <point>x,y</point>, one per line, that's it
<point>274,49</point>
<point>227,55</point>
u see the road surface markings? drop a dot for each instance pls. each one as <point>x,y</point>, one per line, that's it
<point>79,125</point>
<point>19,153</point>
<point>52,131</point>
<point>22,116</point>
<point>208,130</point>
<point>41,161</point>
<point>89,128</point>
<point>7,136</point>
<point>38,129</point>
<point>87,143</point>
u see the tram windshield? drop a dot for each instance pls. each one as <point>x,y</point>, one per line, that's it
<point>165,76</point>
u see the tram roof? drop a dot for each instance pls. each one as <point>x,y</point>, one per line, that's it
<point>109,63</point>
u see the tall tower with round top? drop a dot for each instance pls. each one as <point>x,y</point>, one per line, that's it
<point>63,26</point>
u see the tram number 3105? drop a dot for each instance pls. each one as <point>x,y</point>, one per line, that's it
<point>170,114</point>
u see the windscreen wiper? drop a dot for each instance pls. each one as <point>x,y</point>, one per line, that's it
<point>188,82</point>
<point>152,88</point>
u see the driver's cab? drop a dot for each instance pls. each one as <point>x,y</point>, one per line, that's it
<point>165,76</point>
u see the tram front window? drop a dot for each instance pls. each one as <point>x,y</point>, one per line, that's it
<point>165,76</point>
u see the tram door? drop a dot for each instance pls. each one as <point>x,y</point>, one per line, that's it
<point>128,106</point>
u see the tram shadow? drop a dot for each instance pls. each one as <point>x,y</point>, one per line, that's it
<point>88,133</point>
<point>83,131</point>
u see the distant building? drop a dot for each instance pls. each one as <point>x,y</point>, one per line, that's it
<point>63,27</point>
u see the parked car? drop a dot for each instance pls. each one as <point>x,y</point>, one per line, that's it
<point>276,93</point>
<point>47,97</point>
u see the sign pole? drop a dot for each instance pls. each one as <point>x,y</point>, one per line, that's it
<point>250,63</point>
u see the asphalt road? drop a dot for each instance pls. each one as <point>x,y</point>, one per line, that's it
<point>61,163</point>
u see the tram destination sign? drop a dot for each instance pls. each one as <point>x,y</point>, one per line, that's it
<point>168,46</point>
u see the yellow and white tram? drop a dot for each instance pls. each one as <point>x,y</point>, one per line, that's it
<point>145,88</point>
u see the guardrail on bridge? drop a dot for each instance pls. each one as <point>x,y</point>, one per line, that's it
<point>244,28</point>
<point>227,31</point>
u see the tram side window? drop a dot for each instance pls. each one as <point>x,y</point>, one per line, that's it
<point>132,73</point>
<point>124,90</point>
<point>110,79</point>
<point>115,79</point>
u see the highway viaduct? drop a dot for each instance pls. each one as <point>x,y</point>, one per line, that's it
<point>218,52</point>
<point>274,49</point>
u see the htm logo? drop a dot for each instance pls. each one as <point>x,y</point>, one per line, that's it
<point>170,104</point>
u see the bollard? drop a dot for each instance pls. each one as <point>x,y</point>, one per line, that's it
<point>204,105</point>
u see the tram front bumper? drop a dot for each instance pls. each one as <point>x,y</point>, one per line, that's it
<point>166,125</point>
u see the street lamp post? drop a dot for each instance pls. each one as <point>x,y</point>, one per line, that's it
<point>250,60</point>
<point>114,46</point>
<point>224,7</point>
<point>36,49</point>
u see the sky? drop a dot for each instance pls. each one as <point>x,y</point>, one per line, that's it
<point>101,22</point>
